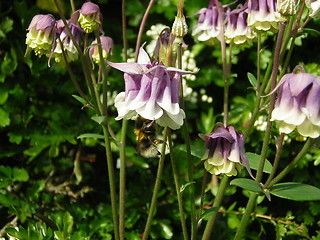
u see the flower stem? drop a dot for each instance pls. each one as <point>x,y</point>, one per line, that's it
<point>124,31</point>
<point>156,188</point>
<point>285,171</point>
<point>252,200</point>
<point>143,22</point>
<point>111,181</point>
<point>217,203</point>
<point>177,185</point>
<point>188,148</point>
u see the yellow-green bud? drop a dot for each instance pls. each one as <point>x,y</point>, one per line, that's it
<point>179,27</point>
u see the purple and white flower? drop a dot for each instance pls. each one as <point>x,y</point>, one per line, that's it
<point>107,47</point>
<point>224,151</point>
<point>298,104</point>
<point>237,30</point>
<point>314,7</point>
<point>262,15</point>
<point>151,90</point>
<point>41,34</point>
<point>209,24</point>
<point>68,45</point>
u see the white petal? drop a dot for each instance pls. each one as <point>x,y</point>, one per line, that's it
<point>172,121</point>
<point>143,57</point>
<point>307,129</point>
<point>150,110</point>
<point>285,128</point>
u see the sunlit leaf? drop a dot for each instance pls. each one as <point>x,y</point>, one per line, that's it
<point>296,191</point>
<point>208,213</point>
<point>20,174</point>
<point>91,135</point>
<point>254,160</point>
<point>252,79</point>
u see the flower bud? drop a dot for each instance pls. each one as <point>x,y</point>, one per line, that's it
<point>179,27</point>
<point>287,7</point>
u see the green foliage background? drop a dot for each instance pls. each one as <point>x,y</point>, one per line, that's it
<point>53,185</point>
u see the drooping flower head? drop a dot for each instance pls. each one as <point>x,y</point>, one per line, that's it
<point>224,151</point>
<point>237,31</point>
<point>314,7</point>
<point>298,104</point>
<point>209,24</point>
<point>151,90</point>
<point>107,46</point>
<point>262,15</point>
<point>41,34</point>
<point>287,7</point>
<point>68,45</point>
<point>90,17</point>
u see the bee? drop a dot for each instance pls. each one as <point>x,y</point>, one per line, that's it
<point>146,136</point>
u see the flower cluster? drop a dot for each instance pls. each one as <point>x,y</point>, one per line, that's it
<point>224,151</point>
<point>151,91</point>
<point>298,104</point>
<point>240,25</point>
<point>48,36</point>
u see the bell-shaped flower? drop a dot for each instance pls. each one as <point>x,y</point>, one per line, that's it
<point>151,90</point>
<point>209,24</point>
<point>224,151</point>
<point>237,31</point>
<point>107,47</point>
<point>90,17</point>
<point>298,104</point>
<point>287,7</point>
<point>314,8</point>
<point>262,15</point>
<point>67,43</point>
<point>41,34</point>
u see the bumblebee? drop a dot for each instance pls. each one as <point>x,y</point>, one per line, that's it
<point>146,136</point>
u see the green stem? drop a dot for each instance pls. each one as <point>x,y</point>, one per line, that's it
<point>73,9</point>
<point>246,216</point>
<point>291,165</point>
<point>111,181</point>
<point>156,188</point>
<point>177,185</point>
<point>276,159</point>
<point>217,203</point>
<point>188,148</point>
<point>124,31</point>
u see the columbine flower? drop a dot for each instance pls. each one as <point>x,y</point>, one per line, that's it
<point>90,17</point>
<point>151,90</point>
<point>41,34</point>
<point>68,45</point>
<point>209,26</point>
<point>237,30</point>
<point>314,6</point>
<point>224,151</point>
<point>262,15</point>
<point>107,46</point>
<point>298,104</point>
<point>287,7</point>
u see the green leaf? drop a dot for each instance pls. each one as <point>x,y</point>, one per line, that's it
<point>246,183</point>
<point>166,230</point>
<point>98,119</point>
<point>4,118</point>
<point>20,174</point>
<point>252,79</point>
<point>208,213</point>
<point>67,224</point>
<point>91,135</point>
<point>254,160</point>
<point>80,99</point>
<point>296,191</point>
<point>3,96</point>
<point>184,186</point>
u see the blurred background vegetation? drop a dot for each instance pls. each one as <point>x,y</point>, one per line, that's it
<point>54,185</point>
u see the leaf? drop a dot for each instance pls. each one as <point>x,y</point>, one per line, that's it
<point>254,160</point>
<point>208,213</point>
<point>3,96</point>
<point>296,191</point>
<point>80,99</point>
<point>98,119</point>
<point>246,183</point>
<point>20,174</point>
<point>252,79</point>
<point>183,187</point>
<point>4,118</point>
<point>67,224</point>
<point>91,135</point>
<point>166,230</point>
